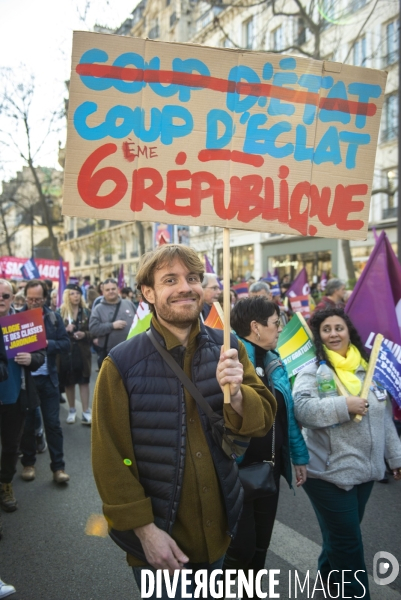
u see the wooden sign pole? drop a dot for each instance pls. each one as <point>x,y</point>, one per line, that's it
<point>227,300</point>
<point>371,369</point>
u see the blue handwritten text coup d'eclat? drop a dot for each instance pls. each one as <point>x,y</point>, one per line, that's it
<point>336,145</point>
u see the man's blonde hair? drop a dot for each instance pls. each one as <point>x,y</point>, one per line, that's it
<point>164,255</point>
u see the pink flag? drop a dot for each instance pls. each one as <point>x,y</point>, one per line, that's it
<point>300,285</point>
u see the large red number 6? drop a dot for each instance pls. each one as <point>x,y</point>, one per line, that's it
<point>89,183</point>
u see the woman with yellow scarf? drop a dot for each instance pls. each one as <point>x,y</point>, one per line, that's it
<point>346,456</point>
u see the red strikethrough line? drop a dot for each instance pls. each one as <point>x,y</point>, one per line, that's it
<point>223,85</point>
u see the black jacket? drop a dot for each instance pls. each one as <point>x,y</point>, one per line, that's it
<point>153,389</point>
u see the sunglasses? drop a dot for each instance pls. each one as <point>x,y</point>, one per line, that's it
<point>5,296</point>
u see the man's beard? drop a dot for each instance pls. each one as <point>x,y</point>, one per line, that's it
<point>181,318</point>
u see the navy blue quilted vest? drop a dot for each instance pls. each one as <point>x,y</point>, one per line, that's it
<point>158,422</point>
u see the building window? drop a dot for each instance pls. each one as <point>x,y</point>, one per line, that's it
<point>355,5</point>
<point>242,262</point>
<point>391,34</point>
<point>359,52</point>
<point>300,37</point>
<point>123,244</point>
<point>390,116</point>
<point>390,204</point>
<point>247,31</point>
<point>278,39</point>
<point>207,17</point>
<point>327,13</point>
<point>173,18</point>
<point>154,32</point>
<point>225,42</point>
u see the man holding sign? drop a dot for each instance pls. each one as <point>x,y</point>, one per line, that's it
<point>158,469</point>
<point>18,394</point>
<point>46,381</point>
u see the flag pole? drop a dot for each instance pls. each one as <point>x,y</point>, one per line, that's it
<point>370,371</point>
<point>227,300</point>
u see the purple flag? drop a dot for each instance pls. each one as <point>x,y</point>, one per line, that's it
<point>276,274</point>
<point>121,280</point>
<point>61,284</point>
<point>208,266</point>
<point>375,304</point>
<point>323,281</point>
<point>209,269</point>
<point>300,285</point>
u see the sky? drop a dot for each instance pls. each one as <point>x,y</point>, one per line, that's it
<point>36,38</point>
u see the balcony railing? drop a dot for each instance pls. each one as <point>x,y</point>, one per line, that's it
<point>86,230</point>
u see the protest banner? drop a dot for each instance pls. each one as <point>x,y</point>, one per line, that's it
<point>23,332</point>
<point>175,133</point>
<point>10,268</point>
<point>295,346</point>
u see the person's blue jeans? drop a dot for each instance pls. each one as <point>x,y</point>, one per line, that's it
<point>50,407</point>
<point>190,589</point>
<point>340,514</point>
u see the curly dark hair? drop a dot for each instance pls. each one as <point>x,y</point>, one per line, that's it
<point>321,315</point>
<point>246,310</point>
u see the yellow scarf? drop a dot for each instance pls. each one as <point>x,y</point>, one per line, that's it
<point>346,367</point>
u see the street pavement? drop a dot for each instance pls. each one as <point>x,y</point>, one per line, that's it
<point>55,547</point>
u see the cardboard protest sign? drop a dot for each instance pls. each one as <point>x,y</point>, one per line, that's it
<point>23,332</point>
<point>10,268</point>
<point>295,346</point>
<point>179,133</point>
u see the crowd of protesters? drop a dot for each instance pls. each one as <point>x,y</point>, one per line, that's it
<point>180,295</point>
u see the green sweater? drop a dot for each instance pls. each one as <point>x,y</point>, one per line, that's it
<point>200,529</point>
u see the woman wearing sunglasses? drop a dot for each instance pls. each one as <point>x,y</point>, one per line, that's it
<point>256,322</point>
